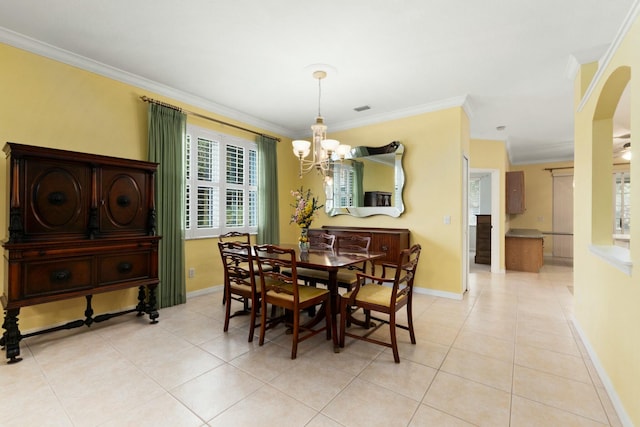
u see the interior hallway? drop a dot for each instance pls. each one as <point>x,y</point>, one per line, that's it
<point>506,355</point>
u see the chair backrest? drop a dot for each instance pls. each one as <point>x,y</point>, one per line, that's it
<point>237,262</point>
<point>235,236</point>
<point>272,261</point>
<point>406,269</point>
<point>353,242</point>
<point>321,240</point>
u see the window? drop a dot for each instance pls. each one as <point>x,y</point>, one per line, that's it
<point>343,176</point>
<point>474,199</point>
<point>622,202</point>
<point>221,193</point>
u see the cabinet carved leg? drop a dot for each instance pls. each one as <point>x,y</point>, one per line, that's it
<point>141,308</point>
<point>152,309</point>
<point>11,336</point>
<point>88,312</point>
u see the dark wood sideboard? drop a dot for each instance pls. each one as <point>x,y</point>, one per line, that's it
<point>389,240</point>
<point>79,225</point>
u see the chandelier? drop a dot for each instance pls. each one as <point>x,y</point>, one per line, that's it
<point>325,151</point>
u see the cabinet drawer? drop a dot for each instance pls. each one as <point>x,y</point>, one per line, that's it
<point>57,276</point>
<point>123,267</point>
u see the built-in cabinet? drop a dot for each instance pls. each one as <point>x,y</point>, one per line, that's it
<point>79,225</point>
<point>483,239</point>
<point>515,192</point>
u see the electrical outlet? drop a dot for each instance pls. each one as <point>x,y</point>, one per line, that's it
<point>192,273</point>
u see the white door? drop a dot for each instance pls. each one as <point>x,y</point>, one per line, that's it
<point>563,216</point>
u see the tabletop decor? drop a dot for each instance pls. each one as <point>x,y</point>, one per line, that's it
<point>306,206</point>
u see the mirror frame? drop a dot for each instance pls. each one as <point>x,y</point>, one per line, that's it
<point>397,209</point>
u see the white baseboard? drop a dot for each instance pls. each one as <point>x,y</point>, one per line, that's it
<point>205,291</point>
<point>608,386</point>
<point>436,293</point>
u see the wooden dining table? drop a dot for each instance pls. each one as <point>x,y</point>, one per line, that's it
<point>331,261</point>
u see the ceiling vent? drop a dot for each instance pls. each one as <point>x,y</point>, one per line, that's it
<point>362,108</point>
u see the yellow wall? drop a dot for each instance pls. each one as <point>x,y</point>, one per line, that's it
<point>538,191</point>
<point>434,144</point>
<point>607,300</point>
<point>47,103</point>
<point>489,154</point>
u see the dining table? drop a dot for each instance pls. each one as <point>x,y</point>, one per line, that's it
<point>331,260</point>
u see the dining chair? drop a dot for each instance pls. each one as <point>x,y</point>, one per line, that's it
<point>240,282</point>
<point>282,290</point>
<point>383,295</point>
<point>354,243</point>
<point>235,236</point>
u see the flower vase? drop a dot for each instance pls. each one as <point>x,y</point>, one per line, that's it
<point>303,240</point>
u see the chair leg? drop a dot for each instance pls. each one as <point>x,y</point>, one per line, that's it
<point>394,340</point>
<point>343,320</point>
<point>252,326</point>
<point>412,334</point>
<point>329,323</point>
<point>295,333</point>
<point>263,321</point>
<point>227,309</point>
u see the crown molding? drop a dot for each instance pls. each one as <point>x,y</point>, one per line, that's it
<point>613,47</point>
<point>61,55</point>
<point>458,101</point>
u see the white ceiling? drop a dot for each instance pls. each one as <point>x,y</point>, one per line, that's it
<point>508,61</point>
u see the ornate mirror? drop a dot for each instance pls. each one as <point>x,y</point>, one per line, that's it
<point>369,181</point>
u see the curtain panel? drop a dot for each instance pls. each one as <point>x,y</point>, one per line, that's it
<point>167,133</point>
<point>268,211</point>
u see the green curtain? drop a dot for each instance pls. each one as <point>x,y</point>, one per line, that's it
<point>358,189</point>
<point>167,134</point>
<point>268,212</point>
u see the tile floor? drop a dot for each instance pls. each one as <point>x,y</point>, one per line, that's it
<point>506,355</point>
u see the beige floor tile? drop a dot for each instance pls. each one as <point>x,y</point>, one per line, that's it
<point>562,393</point>
<point>423,352</point>
<point>186,371</point>
<point>483,369</point>
<point>180,366</point>
<point>321,420</point>
<point>471,401</point>
<point>162,411</point>
<point>230,345</point>
<point>427,416</point>
<point>552,362</point>
<point>495,328</point>
<point>553,342</point>
<point>265,362</point>
<point>485,345</point>
<point>359,404</point>
<point>90,397</point>
<point>267,407</point>
<point>526,413</point>
<point>352,358</point>
<point>312,383</point>
<point>212,393</point>
<point>406,378</point>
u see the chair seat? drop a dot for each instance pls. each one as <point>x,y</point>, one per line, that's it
<point>305,293</point>
<point>238,287</point>
<point>344,277</point>
<point>374,294</point>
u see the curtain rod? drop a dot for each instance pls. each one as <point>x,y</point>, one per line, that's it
<point>191,113</point>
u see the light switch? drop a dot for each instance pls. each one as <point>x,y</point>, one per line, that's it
<point>447,219</point>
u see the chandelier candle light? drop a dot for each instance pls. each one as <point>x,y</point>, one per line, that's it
<point>323,148</point>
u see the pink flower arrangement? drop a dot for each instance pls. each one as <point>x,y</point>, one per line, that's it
<point>305,206</point>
